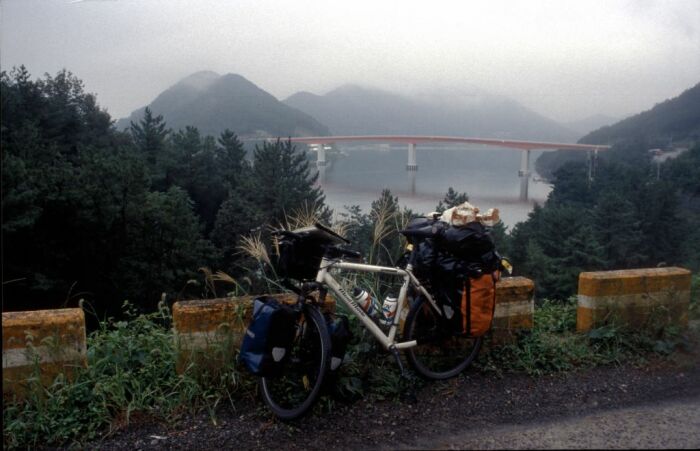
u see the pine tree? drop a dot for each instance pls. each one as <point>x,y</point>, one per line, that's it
<point>150,138</point>
<point>230,158</point>
<point>618,229</point>
<point>452,198</point>
<point>283,181</point>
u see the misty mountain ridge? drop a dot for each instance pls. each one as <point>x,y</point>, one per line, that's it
<point>213,103</point>
<point>590,123</point>
<point>671,122</point>
<point>357,110</point>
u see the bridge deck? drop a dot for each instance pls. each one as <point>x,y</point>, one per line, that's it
<point>408,139</point>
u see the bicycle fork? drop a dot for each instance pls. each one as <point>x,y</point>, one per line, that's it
<point>408,392</point>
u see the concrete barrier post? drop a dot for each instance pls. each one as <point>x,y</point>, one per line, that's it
<point>43,342</point>
<point>635,297</point>
<point>515,307</point>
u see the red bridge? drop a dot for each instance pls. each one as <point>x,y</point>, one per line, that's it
<point>317,143</point>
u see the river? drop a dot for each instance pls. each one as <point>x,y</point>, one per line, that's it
<point>488,176</point>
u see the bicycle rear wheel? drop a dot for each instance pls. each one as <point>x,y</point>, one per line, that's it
<point>439,353</point>
<point>293,392</point>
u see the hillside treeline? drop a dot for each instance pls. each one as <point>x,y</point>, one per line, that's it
<point>90,212</point>
<point>627,217</point>
<point>93,213</point>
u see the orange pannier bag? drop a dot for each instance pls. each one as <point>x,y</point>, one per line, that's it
<point>478,303</point>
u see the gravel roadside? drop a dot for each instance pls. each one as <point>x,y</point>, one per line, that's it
<point>468,405</point>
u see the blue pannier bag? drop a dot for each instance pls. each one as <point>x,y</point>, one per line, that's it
<point>268,339</point>
<point>339,330</point>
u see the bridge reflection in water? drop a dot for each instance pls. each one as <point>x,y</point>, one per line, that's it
<point>319,144</point>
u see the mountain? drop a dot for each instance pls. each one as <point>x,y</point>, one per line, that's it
<point>213,103</point>
<point>352,109</point>
<point>590,123</point>
<point>675,120</point>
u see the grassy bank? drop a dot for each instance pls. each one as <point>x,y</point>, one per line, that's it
<point>131,374</point>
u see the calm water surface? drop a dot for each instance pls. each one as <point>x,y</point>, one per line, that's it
<point>490,177</point>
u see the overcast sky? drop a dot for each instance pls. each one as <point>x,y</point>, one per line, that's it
<point>564,59</point>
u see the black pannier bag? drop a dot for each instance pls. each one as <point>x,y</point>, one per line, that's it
<point>298,257</point>
<point>269,337</point>
<point>425,246</point>
<point>472,244</point>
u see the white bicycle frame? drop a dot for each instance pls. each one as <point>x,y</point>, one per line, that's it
<point>387,340</point>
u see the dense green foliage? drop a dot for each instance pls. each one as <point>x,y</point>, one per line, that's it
<point>91,212</point>
<point>635,213</point>
<point>625,218</point>
<point>672,122</point>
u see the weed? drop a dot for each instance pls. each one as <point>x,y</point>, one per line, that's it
<point>554,345</point>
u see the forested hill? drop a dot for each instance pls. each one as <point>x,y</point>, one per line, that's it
<point>93,213</point>
<point>634,213</point>
<point>214,103</point>
<point>674,121</point>
<point>352,109</point>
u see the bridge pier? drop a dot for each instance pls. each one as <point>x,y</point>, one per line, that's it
<point>320,162</point>
<point>592,161</point>
<point>524,174</point>
<point>412,166</point>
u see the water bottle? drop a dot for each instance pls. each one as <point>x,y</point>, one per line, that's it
<point>369,304</point>
<point>389,310</point>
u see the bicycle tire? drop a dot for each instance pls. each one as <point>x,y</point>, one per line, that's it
<point>291,394</point>
<point>439,353</point>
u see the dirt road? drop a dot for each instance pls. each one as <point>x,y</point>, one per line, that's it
<point>654,405</point>
<point>668,425</point>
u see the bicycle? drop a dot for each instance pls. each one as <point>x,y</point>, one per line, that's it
<point>431,348</point>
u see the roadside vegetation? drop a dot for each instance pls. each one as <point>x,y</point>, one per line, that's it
<point>131,374</point>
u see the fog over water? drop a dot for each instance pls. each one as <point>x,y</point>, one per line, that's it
<point>359,177</point>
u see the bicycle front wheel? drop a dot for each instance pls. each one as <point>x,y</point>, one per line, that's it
<point>293,392</point>
<point>439,353</point>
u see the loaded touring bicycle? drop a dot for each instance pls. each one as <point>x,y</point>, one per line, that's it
<point>292,349</point>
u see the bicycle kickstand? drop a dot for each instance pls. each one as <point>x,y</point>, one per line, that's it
<point>408,394</point>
